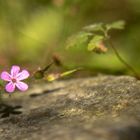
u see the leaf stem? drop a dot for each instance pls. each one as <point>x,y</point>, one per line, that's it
<point>123,61</point>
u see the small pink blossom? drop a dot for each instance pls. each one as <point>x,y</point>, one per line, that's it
<point>14,79</point>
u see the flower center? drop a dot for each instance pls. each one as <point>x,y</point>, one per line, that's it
<point>14,80</point>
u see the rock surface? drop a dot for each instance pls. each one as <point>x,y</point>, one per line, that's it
<point>100,108</point>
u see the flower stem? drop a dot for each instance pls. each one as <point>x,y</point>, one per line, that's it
<point>47,67</point>
<point>123,61</point>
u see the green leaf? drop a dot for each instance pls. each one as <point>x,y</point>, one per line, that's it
<point>54,76</point>
<point>69,72</point>
<point>94,27</point>
<point>116,25</point>
<point>94,42</point>
<point>78,39</point>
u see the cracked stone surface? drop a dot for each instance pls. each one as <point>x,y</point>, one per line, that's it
<point>97,108</point>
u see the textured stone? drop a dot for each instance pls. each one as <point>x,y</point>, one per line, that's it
<point>100,108</point>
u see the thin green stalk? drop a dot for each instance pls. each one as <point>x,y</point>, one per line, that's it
<point>123,61</point>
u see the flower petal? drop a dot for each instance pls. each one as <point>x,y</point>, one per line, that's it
<point>22,86</point>
<point>15,70</point>
<point>10,87</point>
<point>23,75</point>
<point>5,76</point>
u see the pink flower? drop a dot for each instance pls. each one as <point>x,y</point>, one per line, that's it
<point>14,79</point>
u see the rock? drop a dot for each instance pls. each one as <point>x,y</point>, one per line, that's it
<point>100,108</point>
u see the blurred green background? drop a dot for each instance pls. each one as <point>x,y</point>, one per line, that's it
<point>31,31</point>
